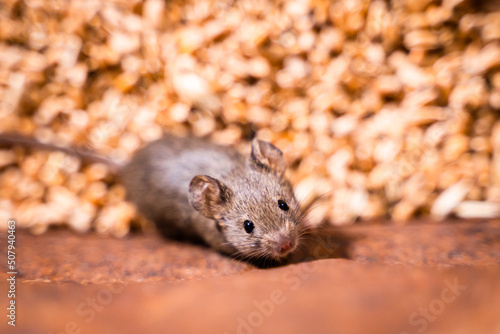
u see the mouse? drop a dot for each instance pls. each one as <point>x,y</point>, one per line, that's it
<point>197,190</point>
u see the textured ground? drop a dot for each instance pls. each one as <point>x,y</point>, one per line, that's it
<point>422,277</point>
<point>391,108</point>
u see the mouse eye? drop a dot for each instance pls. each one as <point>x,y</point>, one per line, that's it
<point>248,225</point>
<point>283,206</point>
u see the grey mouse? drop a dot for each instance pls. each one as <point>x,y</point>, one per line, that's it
<point>200,191</point>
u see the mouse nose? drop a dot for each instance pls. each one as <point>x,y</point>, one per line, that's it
<point>285,245</point>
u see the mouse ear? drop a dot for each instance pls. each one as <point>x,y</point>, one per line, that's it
<point>208,196</point>
<point>268,157</point>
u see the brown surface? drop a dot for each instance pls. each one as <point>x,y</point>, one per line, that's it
<point>327,296</point>
<point>459,242</point>
<point>61,256</point>
<point>376,289</point>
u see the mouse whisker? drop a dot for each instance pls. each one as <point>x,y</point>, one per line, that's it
<point>304,215</point>
<point>313,201</point>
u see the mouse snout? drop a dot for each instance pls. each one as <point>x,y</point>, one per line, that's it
<point>284,245</point>
<point>281,243</point>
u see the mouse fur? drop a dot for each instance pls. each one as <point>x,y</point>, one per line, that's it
<point>204,192</point>
<point>198,190</point>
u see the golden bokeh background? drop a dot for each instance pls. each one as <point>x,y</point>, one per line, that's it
<point>386,109</point>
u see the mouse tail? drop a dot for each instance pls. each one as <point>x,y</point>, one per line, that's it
<point>86,155</point>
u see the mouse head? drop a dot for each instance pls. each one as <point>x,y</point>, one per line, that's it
<point>257,213</point>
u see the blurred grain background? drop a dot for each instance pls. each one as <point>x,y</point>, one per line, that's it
<point>387,108</point>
